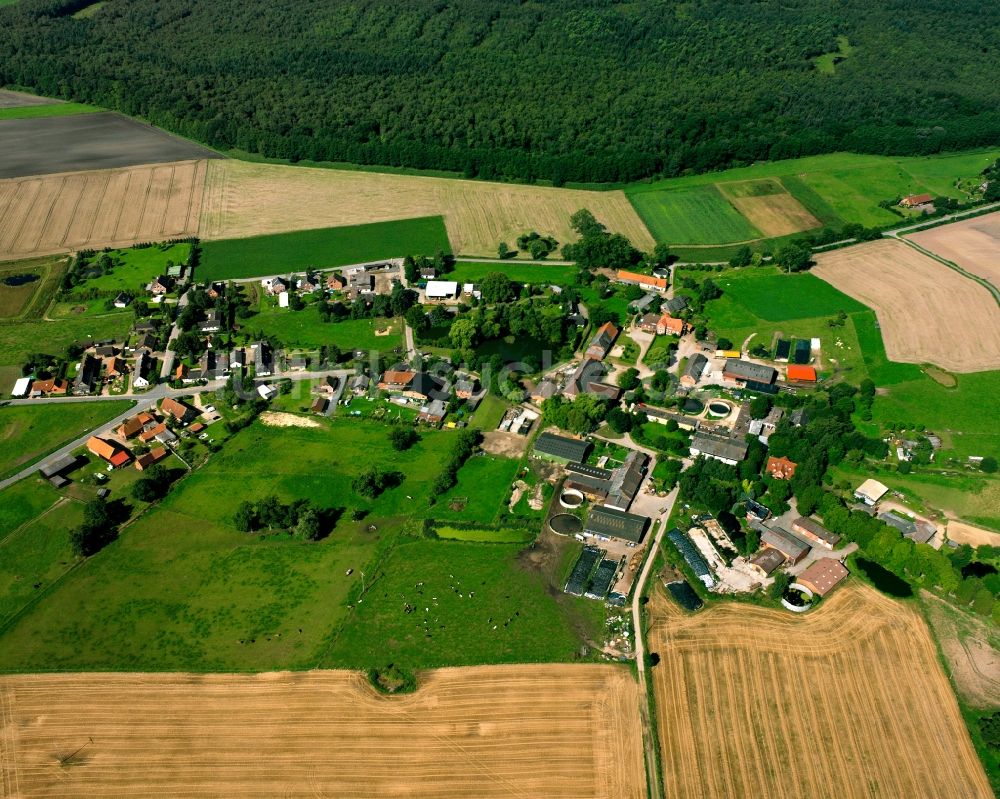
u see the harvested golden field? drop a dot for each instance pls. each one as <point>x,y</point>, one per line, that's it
<point>244,199</point>
<point>928,313</point>
<point>108,207</point>
<point>491,731</point>
<point>847,702</point>
<point>775,214</point>
<point>973,244</point>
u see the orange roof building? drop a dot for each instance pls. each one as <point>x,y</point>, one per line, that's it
<point>780,468</point>
<point>823,576</point>
<point>101,448</point>
<point>396,379</point>
<point>801,374</point>
<point>646,281</point>
<point>120,458</point>
<point>178,410</point>
<point>914,200</point>
<point>669,324</point>
<point>151,457</point>
<point>153,432</point>
<point>54,385</point>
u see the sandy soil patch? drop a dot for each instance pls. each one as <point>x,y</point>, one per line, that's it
<point>279,419</point>
<point>775,214</point>
<point>963,533</point>
<point>104,208</point>
<point>928,313</point>
<point>759,702</point>
<point>492,731</point>
<point>243,199</point>
<point>385,331</point>
<point>973,244</point>
<point>972,648</point>
<point>507,445</point>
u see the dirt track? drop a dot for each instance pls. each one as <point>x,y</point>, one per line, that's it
<point>928,312</point>
<point>507,731</point>
<point>115,207</point>
<point>848,702</point>
<point>973,244</point>
<point>243,199</point>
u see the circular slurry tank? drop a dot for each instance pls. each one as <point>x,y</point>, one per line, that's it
<point>565,524</point>
<point>692,406</point>
<point>719,409</point>
<point>571,498</point>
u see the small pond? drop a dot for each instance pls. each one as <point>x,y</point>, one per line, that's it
<point>20,280</point>
<point>692,405</point>
<point>884,580</point>
<point>977,569</point>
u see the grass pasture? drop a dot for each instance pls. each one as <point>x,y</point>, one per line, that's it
<point>535,274</point>
<point>280,253</point>
<point>780,297</point>
<point>833,189</point>
<point>695,215</point>
<point>29,432</point>
<point>183,590</point>
<point>459,591</point>
<point>30,298</point>
<point>305,329</point>
<point>46,110</point>
<point>139,266</point>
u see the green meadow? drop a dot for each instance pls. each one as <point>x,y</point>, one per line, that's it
<point>139,265</point>
<point>837,188</point>
<point>46,110</point>
<point>474,271</point>
<point>30,432</point>
<point>307,330</point>
<point>282,253</point>
<point>183,589</point>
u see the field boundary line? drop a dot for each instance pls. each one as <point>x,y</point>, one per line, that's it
<point>59,502</point>
<point>100,204</point>
<point>72,217</point>
<point>953,266</point>
<point>10,780</point>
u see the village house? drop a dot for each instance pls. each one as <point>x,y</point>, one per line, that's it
<point>177,409</point>
<point>694,370</point>
<point>600,344</point>
<point>814,532</point>
<point>52,385</point>
<point>336,282</point>
<point>263,360</point>
<point>561,449</point>
<point>160,286</point>
<point>114,367</point>
<point>319,406</point>
<point>215,290</point>
<point>433,412</point>
<point>675,304</point>
<point>108,451</point>
<point>395,380</point>
<point>86,375</point>
<point>668,325</point>
<point>148,459</point>
<point>151,431</point>
<point>359,385</point>
<point>916,200</point>
<point>764,428</point>
<point>780,468</point>
<point>647,282</point>
<point>465,387</point>
<point>105,351</point>
<point>587,379</point>
<point>134,425</point>
<point>767,561</point>
<point>640,305</point>
<point>755,511</point>
<point>122,300</point>
<point>543,390</point>
<point>648,322</point>
<point>146,326</point>
<point>662,416</point>
<point>212,322</point>
<point>823,576</point>
<point>143,364</point>
<point>274,285</point>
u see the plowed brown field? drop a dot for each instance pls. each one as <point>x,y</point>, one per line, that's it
<point>504,731</point>
<point>109,207</point>
<point>244,199</point>
<point>928,312</point>
<point>973,244</point>
<point>775,214</point>
<point>848,702</point>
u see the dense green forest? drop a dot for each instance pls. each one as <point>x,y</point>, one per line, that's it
<point>562,90</point>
